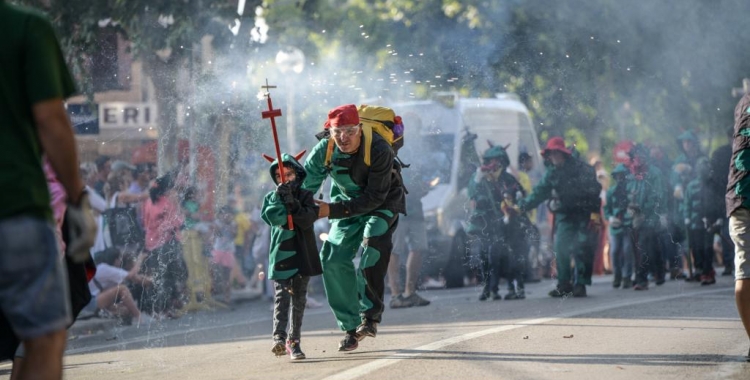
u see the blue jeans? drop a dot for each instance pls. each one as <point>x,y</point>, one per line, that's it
<point>621,253</point>
<point>34,295</point>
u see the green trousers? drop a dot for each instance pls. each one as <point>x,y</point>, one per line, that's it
<point>573,239</point>
<point>355,294</point>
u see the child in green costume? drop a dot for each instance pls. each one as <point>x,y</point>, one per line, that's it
<point>293,256</point>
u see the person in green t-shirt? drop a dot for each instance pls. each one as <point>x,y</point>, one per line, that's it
<point>34,81</point>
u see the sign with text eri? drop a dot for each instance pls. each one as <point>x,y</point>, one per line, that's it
<point>127,115</point>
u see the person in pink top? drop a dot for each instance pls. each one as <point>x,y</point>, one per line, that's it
<point>162,220</point>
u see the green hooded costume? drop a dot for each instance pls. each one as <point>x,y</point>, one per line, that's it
<point>293,252</point>
<point>573,184</point>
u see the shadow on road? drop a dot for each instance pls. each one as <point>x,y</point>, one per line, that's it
<point>680,360</point>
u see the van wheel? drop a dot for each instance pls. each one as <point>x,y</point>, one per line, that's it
<point>454,269</point>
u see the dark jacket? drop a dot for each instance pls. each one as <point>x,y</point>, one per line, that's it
<point>702,200</point>
<point>293,252</point>
<point>358,189</point>
<point>576,187</point>
<point>488,196</point>
<point>740,142</point>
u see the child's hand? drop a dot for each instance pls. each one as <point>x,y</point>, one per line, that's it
<point>285,193</point>
<point>324,210</point>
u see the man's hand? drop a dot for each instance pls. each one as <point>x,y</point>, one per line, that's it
<point>554,204</point>
<point>81,229</point>
<point>323,210</point>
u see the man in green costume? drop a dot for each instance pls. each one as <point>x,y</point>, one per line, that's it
<point>571,186</point>
<point>367,194</point>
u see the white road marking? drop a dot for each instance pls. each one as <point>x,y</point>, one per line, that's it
<point>369,368</point>
<point>157,336</point>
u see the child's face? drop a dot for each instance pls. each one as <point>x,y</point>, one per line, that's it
<point>289,175</point>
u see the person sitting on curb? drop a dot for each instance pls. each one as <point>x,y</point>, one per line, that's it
<point>109,291</point>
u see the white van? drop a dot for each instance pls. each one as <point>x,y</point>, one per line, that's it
<point>445,138</point>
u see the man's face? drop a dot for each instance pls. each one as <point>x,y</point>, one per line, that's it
<point>347,138</point>
<point>289,175</point>
<point>556,157</point>
<point>528,165</point>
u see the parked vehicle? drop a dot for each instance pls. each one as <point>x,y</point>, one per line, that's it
<point>446,136</point>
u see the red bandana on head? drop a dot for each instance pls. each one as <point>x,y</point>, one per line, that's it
<point>342,115</point>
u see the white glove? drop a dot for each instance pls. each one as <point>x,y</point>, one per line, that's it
<point>481,175</point>
<point>81,229</point>
<point>687,221</point>
<point>506,220</point>
<point>678,192</point>
<point>615,222</point>
<point>554,205</point>
<point>663,221</point>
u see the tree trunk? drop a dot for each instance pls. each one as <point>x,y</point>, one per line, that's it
<point>164,77</point>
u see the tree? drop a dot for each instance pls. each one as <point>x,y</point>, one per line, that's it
<point>162,33</point>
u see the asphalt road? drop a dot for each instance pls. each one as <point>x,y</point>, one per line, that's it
<point>675,331</point>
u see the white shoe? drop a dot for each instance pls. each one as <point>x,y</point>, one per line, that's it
<point>433,284</point>
<point>144,321</point>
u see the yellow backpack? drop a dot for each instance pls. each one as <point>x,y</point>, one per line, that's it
<point>375,119</point>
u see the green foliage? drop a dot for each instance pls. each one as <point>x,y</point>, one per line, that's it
<point>593,70</point>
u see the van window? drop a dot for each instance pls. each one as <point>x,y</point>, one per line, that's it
<point>438,158</point>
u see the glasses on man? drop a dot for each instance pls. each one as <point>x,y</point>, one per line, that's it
<point>345,131</point>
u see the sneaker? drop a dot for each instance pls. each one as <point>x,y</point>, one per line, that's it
<point>561,290</point>
<point>659,281</point>
<point>350,341</point>
<point>398,302</point>
<point>431,283</point>
<point>616,284</point>
<point>278,347</point>
<point>484,296</point>
<point>579,290</point>
<point>294,350</point>
<point>627,283</point>
<point>641,286</point>
<point>727,272</point>
<point>367,328</point>
<point>144,321</point>
<point>516,295</point>
<point>496,296</point>
<point>708,279</point>
<point>416,300</point>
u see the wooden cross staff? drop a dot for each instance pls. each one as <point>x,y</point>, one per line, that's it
<point>738,92</point>
<point>273,114</point>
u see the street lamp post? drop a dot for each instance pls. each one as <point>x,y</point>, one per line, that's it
<point>290,60</point>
